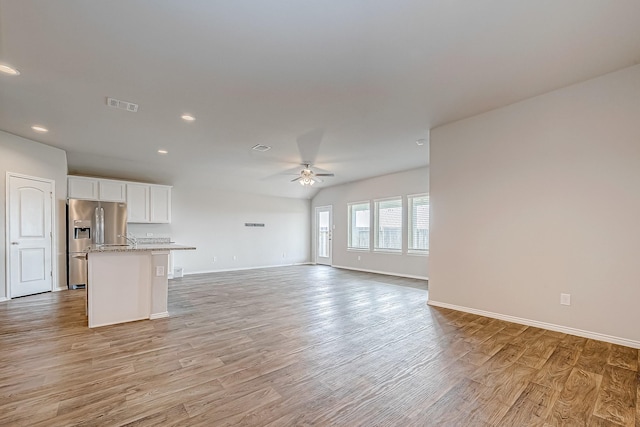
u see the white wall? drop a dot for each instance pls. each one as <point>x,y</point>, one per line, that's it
<point>414,181</point>
<point>28,157</point>
<point>540,198</point>
<point>213,221</point>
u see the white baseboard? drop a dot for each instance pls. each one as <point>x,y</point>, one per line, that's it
<point>386,273</point>
<point>159,315</point>
<point>550,326</point>
<point>222,270</point>
<point>2,299</point>
<point>58,289</point>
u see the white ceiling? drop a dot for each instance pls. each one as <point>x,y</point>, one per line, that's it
<point>371,76</point>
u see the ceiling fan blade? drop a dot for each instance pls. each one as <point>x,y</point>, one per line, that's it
<point>292,171</point>
<point>309,144</point>
<point>313,178</point>
<point>318,170</point>
<point>297,179</point>
<point>324,174</point>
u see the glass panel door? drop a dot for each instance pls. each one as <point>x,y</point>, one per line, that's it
<point>323,235</point>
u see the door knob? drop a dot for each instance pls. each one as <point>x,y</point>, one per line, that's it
<point>15,243</point>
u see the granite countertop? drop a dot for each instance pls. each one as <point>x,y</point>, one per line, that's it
<point>140,247</point>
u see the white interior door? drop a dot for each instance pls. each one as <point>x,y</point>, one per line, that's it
<point>29,235</point>
<point>324,235</point>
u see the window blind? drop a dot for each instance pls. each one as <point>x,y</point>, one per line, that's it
<point>359,225</point>
<point>388,224</point>
<point>418,223</point>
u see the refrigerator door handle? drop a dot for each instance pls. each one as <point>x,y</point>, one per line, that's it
<point>96,220</point>
<point>99,221</point>
<point>101,225</point>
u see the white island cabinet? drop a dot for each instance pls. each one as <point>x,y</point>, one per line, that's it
<point>128,283</point>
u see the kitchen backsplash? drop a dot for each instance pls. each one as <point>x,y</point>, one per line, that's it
<point>152,240</point>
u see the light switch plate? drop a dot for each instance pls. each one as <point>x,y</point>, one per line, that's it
<point>565,299</point>
<point>160,271</point>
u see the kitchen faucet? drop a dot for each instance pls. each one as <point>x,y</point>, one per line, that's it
<point>132,240</point>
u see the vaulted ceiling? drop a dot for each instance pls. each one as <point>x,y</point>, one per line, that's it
<point>354,83</point>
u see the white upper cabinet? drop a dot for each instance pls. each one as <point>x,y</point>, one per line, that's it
<point>146,203</point>
<point>82,188</point>
<point>112,191</point>
<point>138,203</point>
<point>160,201</point>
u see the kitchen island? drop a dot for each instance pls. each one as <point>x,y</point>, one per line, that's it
<point>127,283</point>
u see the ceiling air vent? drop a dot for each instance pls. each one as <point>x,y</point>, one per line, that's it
<point>260,147</point>
<point>122,105</point>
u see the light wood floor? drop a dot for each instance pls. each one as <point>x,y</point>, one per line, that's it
<point>301,346</point>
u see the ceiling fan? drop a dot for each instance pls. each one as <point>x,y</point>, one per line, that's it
<point>308,146</point>
<point>309,177</point>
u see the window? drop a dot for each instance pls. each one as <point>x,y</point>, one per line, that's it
<point>359,224</point>
<point>388,227</point>
<point>418,223</point>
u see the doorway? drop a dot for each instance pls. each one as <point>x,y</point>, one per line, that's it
<point>29,235</point>
<point>324,235</point>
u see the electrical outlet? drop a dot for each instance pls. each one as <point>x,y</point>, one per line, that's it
<point>565,299</point>
<point>235,258</point>
<point>215,258</point>
<point>359,258</point>
<point>159,270</point>
<point>149,234</point>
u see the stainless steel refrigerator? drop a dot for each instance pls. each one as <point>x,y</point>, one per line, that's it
<point>91,223</point>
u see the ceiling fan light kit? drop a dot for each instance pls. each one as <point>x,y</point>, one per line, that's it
<point>309,177</point>
<point>304,181</point>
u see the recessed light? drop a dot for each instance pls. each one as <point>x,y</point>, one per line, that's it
<point>161,151</point>
<point>39,129</point>
<point>188,117</point>
<point>261,147</point>
<point>9,70</point>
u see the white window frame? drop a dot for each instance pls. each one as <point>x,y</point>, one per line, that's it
<point>349,211</point>
<point>410,249</point>
<point>376,236</point>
